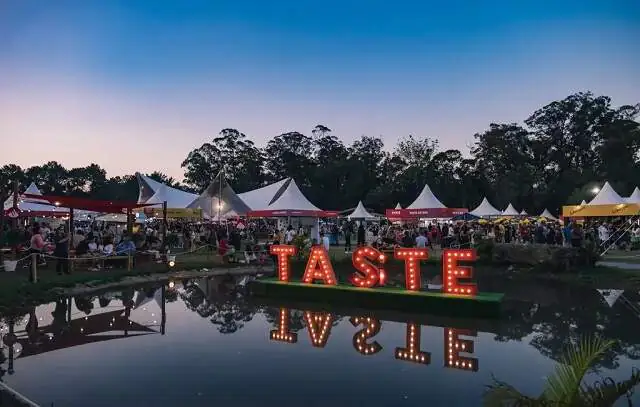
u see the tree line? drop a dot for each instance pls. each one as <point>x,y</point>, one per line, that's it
<point>555,157</point>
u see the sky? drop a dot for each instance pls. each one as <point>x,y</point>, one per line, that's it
<point>134,85</point>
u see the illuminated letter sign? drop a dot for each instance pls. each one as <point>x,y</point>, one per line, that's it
<point>411,259</point>
<point>453,345</point>
<point>319,325</point>
<point>282,334</point>
<point>412,352</point>
<point>451,272</point>
<point>319,267</point>
<point>371,329</point>
<point>368,275</point>
<point>283,252</point>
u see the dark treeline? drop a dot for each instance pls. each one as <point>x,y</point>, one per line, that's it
<point>555,157</point>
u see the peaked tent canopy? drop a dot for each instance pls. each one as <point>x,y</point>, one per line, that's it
<point>583,203</point>
<point>219,198</point>
<point>361,213</point>
<point>547,215</point>
<point>398,206</point>
<point>29,204</point>
<point>260,198</point>
<point>289,201</point>
<point>154,192</point>
<point>510,211</point>
<point>485,209</point>
<point>634,198</point>
<point>425,200</point>
<point>607,196</point>
<point>523,213</point>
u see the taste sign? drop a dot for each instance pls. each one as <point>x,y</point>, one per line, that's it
<point>369,267</point>
<point>319,326</point>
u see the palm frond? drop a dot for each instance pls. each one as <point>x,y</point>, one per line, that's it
<point>607,392</point>
<point>563,386</point>
<point>501,394</point>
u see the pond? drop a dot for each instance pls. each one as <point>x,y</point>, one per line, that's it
<point>203,342</point>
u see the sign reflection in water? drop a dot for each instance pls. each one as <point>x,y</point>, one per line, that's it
<point>319,327</point>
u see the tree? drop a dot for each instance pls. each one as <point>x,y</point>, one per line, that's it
<point>290,155</point>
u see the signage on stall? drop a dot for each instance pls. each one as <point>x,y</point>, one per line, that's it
<point>369,272</point>
<point>174,213</point>
<point>319,326</point>
<point>425,213</point>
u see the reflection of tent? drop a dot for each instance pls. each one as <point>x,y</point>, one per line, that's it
<point>219,197</point>
<point>510,211</point>
<point>426,200</point>
<point>485,209</point>
<point>607,196</point>
<point>634,198</point>
<point>611,296</point>
<point>361,213</point>
<point>547,215</point>
<point>261,198</point>
<point>143,299</point>
<point>33,206</point>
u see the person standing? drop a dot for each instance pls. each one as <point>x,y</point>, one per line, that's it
<point>347,230</point>
<point>361,234</point>
<point>325,242</point>
<point>62,251</point>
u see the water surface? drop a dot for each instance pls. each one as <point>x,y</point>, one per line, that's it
<point>203,343</point>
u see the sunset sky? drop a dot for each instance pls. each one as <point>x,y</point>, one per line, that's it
<point>134,85</point>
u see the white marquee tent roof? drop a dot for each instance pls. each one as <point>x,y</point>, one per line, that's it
<point>547,214</point>
<point>398,206</point>
<point>607,196</point>
<point>260,198</point>
<point>291,199</point>
<point>485,209</point>
<point>31,204</point>
<point>583,203</point>
<point>426,200</point>
<point>635,197</point>
<point>510,211</point>
<point>361,213</point>
<point>523,213</point>
<point>175,198</point>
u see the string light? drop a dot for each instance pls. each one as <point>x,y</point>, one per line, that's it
<point>283,252</point>
<point>282,334</point>
<point>411,259</point>
<point>319,326</point>
<point>371,328</point>
<point>367,274</point>
<point>412,352</point>
<point>319,267</point>
<point>452,272</point>
<point>453,345</point>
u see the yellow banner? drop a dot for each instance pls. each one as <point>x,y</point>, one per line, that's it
<point>173,213</point>
<point>574,211</point>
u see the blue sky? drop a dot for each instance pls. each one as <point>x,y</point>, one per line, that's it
<point>80,79</point>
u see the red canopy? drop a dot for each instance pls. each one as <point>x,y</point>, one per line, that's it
<point>86,204</point>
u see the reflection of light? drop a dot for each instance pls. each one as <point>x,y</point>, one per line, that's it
<point>282,334</point>
<point>171,284</point>
<point>319,326</point>
<point>411,352</point>
<point>172,261</point>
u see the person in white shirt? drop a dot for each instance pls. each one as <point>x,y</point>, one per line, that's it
<point>325,241</point>
<point>290,235</point>
<point>421,240</point>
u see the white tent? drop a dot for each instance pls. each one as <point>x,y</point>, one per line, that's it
<point>634,198</point>
<point>510,211</point>
<point>607,196</point>
<point>361,213</point>
<point>175,198</point>
<point>219,199</point>
<point>426,200</point>
<point>523,213</point>
<point>547,214</point>
<point>34,204</point>
<point>583,203</point>
<point>291,199</point>
<point>485,209</point>
<point>398,206</point>
<point>260,198</point>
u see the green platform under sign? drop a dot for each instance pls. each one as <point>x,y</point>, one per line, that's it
<point>483,305</point>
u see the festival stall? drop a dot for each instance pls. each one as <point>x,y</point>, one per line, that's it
<point>262,197</point>
<point>634,198</point>
<point>524,213</point>
<point>219,201</point>
<point>607,203</point>
<point>32,207</point>
<point>425,206</point>
<point>486,210</point>
<point>361,213</point>
<point>547,215</point>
